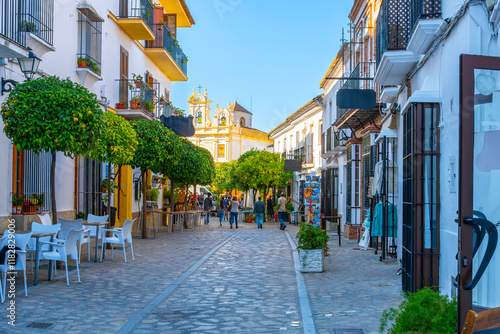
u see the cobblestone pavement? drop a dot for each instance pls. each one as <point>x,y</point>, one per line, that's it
<point>212,280</point>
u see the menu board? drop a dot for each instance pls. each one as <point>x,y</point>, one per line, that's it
<point>312,204</point>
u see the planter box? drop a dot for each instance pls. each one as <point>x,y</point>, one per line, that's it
<point>311,260</point>
<point>351,231</point>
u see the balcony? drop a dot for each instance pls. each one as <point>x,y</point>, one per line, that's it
<point>425,23</point>
<point>178,7</point>
<point>136,19</point>
<point>166,53</point>
<point>30,25</point>
<point>137,100</point>
<point>393,34</point>
<point>168,109</point>
<point>358,91</point>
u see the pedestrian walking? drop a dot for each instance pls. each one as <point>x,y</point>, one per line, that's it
<point>282,211</point>
<point>259,208</point>
<point>226,207</point>
<point>200,199</point>
<point>221,208</point>
<point>270,207</point>
<point>233,209</point>
<point>207,206</point>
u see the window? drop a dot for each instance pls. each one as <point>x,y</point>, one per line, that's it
<point>242,121</point>
<point>420,196</point>
<point>31,182</point>
<point>89,175</point>
<point>222,151</point>
<point>89,42</point>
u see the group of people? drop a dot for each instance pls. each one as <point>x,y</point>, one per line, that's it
<point>228,207</point>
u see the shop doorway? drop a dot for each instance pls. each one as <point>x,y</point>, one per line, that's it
<point>479,207</point>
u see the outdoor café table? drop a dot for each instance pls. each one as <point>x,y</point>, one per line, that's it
<point>169,218</point>
<point>37,236</point>
<point>97,226</point>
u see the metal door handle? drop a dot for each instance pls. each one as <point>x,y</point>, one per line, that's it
<point>490,228</point>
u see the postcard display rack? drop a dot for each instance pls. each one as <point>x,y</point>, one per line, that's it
<point>312,204</point>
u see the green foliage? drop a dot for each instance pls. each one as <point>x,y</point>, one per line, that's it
<point>224,176</point>
<point>80,215</point>
<point>206,174</point>
<point>53,115</point>
<point>116,142</point>
<point>425,311</point>
<point>166,195</point>
<point>156,148</point>
<point>38,199</point>
<point>312,237</point>
<point>153,194</point>
<point>289,206</point>
<point>260,170</point>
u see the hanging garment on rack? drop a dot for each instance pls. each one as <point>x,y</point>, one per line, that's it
<point>390,175</point>
<point>378,220</point>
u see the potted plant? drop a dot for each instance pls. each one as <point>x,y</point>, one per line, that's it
<point>152,194</point>
<point>162,99</point>
<point>104,186</point>
<point>119,105</point>
<point>184,61</point>
<point>149,106</point>
<point>137,79</point>
<point>134,102</point>
<point>28,27</point>
<point>80,215</point>
<point>250,218</point>
<point>425,311</point>
<point>312,246</point>
<point>38,201</point>
<point>289,208</point>
<point>17,203</point>
<point>163,180</point>
<point>82,62</point>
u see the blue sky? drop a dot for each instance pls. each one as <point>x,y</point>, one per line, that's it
<point>273,53</point>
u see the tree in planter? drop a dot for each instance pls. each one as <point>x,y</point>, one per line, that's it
<point>52,114</point>
<point>156,148</point>
<point>115,144</point>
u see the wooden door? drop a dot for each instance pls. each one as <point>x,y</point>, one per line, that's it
<point>123,77</point>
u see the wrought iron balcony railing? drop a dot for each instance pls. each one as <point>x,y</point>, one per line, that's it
<point>20,17</point>
<point>165,40</point>
<point>137,9</point>
<point>362,77</point>
<point>89,44</point>
<point>168,109</point>
<point>424,9</point>
<point>137,95</point>
<point>393,26</point>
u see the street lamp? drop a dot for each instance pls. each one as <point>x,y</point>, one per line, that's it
<point>29,66</point>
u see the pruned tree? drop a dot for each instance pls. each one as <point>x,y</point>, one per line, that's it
<point>51,114</point>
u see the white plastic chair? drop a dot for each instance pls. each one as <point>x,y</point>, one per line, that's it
<point>68,224</point>
<point>64,250</point>
<point>89,231</point>
<point>120,236</point>
<point>21,240</point>
<point>45,219</point>
<point>36,228</point>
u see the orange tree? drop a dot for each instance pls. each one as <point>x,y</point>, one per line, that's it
<point>157,147</point>
<point>115,144</point>
<point>51,114</point>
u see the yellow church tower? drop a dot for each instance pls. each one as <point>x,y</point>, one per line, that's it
<point>229,134</point>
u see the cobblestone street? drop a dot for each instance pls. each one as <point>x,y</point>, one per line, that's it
<point>213,280</point>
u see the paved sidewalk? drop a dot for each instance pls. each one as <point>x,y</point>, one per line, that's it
<point>212,280</point>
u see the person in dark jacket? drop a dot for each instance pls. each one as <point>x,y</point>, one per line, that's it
<point>270,207</point>
<point>221,208</point>
<point>207,206</point>
<point>259,209</point>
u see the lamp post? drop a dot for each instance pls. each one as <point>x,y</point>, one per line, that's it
<point>29,66</point>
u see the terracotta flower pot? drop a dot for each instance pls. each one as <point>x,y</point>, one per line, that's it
<point>82,64</point>
<point>249,219</point>
<point>134,105</point>
<point>119,106</point>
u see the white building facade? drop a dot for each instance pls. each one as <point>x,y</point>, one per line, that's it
<point>299,138</point>
<point>118,41</point>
